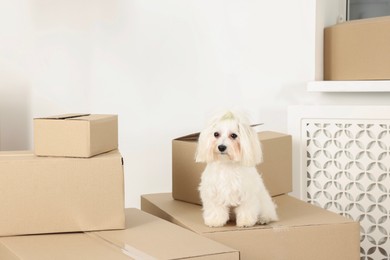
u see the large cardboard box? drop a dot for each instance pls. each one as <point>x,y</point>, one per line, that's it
<point>57,194</point>
<point>75,135</point>
<point>70,246</point>
<point>303,232</point>
<point>145,237</point>
<point>358,50</point>
<point>275,169</point>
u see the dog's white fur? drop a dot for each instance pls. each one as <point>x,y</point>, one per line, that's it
<point>230,180</point>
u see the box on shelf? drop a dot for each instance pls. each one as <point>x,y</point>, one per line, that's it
<point>275,168</point>
<point>75,135</point>
<point>145,237</point>
<point>358,50</point>
<point>303,232</point>
<point>57,194</point>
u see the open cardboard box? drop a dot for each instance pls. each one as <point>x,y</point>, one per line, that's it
<point>57,194</point>
<point>303,232</point>
<point>145,237</point>
<point>275,168</point>
<point>75,135</point>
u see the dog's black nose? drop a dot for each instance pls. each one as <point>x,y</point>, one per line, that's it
<point>221,148</point>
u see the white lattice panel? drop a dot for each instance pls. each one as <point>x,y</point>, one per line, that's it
<point>348,164</point>
<point>346,161</point>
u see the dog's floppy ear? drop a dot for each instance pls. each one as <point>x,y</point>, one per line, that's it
<point>203,148</point>
<point>250,146</point>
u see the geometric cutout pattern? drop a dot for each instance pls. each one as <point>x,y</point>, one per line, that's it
<point>348,172</point>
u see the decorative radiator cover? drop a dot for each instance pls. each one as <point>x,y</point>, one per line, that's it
<point>342,157</point>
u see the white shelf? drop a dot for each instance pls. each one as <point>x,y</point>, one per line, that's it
<point>349,86</point>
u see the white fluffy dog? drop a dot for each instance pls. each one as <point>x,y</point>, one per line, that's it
<point>231,149</point>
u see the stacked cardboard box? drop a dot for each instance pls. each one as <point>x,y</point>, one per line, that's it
<point>74,182</point>
<point>75,135</point>
<point>66,193</point>
<point>303,232</point>
<point>144,237</point>
<point>358,50</point>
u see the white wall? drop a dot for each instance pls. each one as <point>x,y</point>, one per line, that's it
<point>162,66</point>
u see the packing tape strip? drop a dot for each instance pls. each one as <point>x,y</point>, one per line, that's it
<point>126,249</point>
<point>136,254</point>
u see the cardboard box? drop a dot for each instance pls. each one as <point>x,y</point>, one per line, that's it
<point>303,232</point>
<point>75,246</point>
<point>275,169</point>
<point>57,194</point>
<point>145,237</point>
<point>358,50</point>
<point>75,135</point>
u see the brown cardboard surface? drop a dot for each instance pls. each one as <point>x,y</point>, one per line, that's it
<point>56,194</point>
<point>164,240</point>
<point>303,232</point>
<point>75,246</point>
<point>275,169</point>
<point>358,50</point>
<point>75,135</point>
<point>145,237</point>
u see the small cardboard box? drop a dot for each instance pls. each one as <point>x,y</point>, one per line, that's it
<point>75,135</point>
<point>303,232</point>
<point>358,50</point>
<point>57,194</point>
<point>275,168</point>
<point>145,237</point>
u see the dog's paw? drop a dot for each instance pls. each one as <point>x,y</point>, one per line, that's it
<point>215,216</point>
<point>264,221</point>
<point>268,214</point>
<point>267,218</point>
<point>215,222</point>
<point>246,221</point>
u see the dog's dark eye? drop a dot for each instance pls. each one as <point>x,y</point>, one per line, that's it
<point>216,134</point>
<point>234,136</point>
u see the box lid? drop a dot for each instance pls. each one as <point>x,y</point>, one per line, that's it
<point>362,22</point>
<point>195,136</point>
<point>150,236</point>
<point>29,155</point>
<point>291,211</point>
<point>77,116</point>
<point>64,116</point>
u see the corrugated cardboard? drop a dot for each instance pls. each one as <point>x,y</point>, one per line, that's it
<point>57,194</point>
<point>303,232</point>
<point>75,246</point>
<point>358,50</point>
<point>145,237</point>
<point>275,169</point>
<point>75,135</point>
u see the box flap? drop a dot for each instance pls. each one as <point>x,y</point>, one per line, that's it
<point>65,116</point>
<point>161,239</point>
<point>362,22</point>
<point>265,135</point>
<point>190,137</point>
<point>92,117</point>
<point>195,136</point>
<point>292,213</point>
